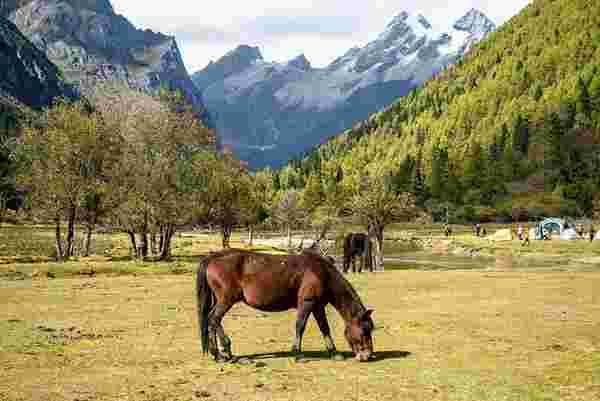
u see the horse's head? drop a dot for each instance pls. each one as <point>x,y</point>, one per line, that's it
<point>358,334</point>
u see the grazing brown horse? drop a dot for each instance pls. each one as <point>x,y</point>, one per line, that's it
<point>306,282</point>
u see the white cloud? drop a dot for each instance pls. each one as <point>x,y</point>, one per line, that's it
<point>321,29</point>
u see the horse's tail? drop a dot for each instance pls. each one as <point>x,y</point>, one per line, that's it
<point>206,301</point>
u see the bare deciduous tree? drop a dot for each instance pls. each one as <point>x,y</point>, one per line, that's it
<point>373,205</point>
<point>67,155</point>
<point>289,211</point>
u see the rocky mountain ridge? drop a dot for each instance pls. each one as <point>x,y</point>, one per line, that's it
<point>89,42</point>
<point>267,111</point>
<point>27,77</point>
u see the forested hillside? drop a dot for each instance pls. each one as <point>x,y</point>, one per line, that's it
<point>512,129</point>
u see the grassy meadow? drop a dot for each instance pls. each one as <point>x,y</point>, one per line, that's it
<point>509,325</point>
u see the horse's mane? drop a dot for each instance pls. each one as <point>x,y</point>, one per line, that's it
<point>336,275</point>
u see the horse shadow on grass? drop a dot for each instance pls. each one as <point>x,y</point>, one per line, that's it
<point>324,355</point>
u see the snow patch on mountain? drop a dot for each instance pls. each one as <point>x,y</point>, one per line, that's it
<point>259,103</point>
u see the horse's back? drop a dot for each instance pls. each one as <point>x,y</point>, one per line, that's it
<point>267,282</point>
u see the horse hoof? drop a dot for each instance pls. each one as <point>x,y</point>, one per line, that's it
<point>300,358</point>
<point>222,358</point>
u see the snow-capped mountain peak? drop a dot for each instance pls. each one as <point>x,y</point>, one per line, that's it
<point>423,21</point>
<point>403,24</point>
<point>474,22</point>
<point>300,62</point>
<point>410,38</point>
<point>282,108</point>
<point>473,27</point>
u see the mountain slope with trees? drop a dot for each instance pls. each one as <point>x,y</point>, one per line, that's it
<point>511,130</point>
<point>267,112</point>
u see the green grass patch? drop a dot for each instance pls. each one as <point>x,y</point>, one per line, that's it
<point>23,337</point>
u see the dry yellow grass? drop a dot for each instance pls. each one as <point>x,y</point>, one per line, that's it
<point>454,335</point>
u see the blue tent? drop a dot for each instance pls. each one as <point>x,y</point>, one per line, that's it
<point>550,225</point>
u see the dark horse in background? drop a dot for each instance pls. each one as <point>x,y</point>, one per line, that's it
<point>358,245</point>
<point>306,282</point>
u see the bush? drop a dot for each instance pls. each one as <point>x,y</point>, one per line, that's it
<point>473,196</point>
<point>504,215</point>
<point>537,213</point>
<point>465,214</point>
<point>485,214</point>
<point>570,209</point>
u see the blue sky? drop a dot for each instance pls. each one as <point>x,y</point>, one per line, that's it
<point>321,29</point>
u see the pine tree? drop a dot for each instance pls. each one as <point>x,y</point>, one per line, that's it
<point>436,173</point>
<point>419,180</point>
<point>439,172</point>
<point>402,180</point>
<point>582,98</point>
<point>276,182</point>
<point>520,136</point>
<point>553,139</point>
<point>474,172</point>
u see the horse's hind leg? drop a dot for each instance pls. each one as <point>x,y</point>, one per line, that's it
<point>304,310</point>
<point>215,328</point>
<point>321,318</point>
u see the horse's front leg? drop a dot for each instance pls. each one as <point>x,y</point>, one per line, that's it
<point>321,318</point>
<point>304,310</point>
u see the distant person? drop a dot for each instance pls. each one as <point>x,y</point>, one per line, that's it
<point>520,232</point>
<point>526,240</point>
<point>484,232</point>
<point>478,229</point>
<point>546,234</point>
<point>591,233</point>
<point>447,230</point>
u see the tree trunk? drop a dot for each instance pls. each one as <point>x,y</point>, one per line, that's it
<point>378,234</point>
<point>153,248</point>
<point>60,256</point>
<point>88,240</point>
<point>250,234</point>
<point>71,232</point>
<point>168,236</point>
<point>143,252</point>
<point>3,208</point>
<point>322,234</point>
<point>226,232</point>
<point>161,238</point>
<point>133,243</point>
<point>144,238</point>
